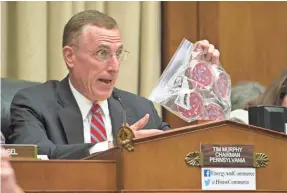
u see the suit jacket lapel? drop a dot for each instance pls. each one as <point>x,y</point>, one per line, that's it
<point>70,115</point>
<point>115,109</point>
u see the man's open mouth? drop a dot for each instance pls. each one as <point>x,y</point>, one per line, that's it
<point>107,81</point>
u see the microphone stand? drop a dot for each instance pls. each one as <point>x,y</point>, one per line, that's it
<point>125,134</point>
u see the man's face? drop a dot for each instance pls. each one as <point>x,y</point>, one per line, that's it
<point>95,64</point>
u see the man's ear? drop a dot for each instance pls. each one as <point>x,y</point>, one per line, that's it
<point>68,54</point>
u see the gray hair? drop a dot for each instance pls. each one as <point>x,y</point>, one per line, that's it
<point>244,92</point>
<point>93,17</point>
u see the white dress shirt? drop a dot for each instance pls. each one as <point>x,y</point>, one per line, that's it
<point>85,106</point>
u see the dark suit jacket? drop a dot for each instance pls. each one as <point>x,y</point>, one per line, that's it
<point>48,115</point>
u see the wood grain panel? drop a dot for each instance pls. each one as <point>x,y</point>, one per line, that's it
<point>179,20</point>
<point>58,175</point>
<point>208,22</point>
<point>253,40</point>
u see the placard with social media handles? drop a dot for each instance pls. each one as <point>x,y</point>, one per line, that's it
<point>228,178</point>
<point>226,155</point>
<point>227,166</point>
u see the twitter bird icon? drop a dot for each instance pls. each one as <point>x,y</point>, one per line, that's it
<point>207,182</point>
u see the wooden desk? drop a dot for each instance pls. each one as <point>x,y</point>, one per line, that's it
<point>66,175</point>
<point>157,164</point>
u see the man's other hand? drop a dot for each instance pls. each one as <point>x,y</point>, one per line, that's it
<point>139,132</point>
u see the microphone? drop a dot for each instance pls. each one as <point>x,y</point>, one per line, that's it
<point>125,134</point>
<point>124,113</point>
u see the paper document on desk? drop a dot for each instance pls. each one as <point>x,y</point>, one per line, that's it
<point>42,157</point>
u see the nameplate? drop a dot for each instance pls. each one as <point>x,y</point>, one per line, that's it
<point>19,151</point>
<point>227,155</point>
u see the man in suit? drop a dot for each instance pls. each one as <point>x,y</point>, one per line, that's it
<point>81,114</point>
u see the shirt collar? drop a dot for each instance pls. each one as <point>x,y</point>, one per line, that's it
<point>85,104</point>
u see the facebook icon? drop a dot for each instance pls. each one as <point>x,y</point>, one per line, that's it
<point>206,173</point>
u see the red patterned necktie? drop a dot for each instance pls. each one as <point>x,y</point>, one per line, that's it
<point>98,131</point>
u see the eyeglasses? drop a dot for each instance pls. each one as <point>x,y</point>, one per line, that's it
<point>104,55</point>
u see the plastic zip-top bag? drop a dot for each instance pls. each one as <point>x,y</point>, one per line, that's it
<point>192,88</point>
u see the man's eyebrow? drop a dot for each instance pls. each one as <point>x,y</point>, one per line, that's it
<point>103,46</point>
